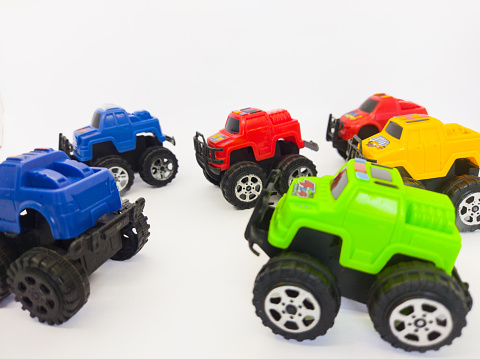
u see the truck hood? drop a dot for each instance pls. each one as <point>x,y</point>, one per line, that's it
<point>354,115</point>
<point>306,199</point>
<point>83,133</point>
<point>381,146</point>
<point>221,138</point>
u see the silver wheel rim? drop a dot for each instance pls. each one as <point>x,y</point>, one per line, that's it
<point>162,168</point>
<point>421,322</point>
<point>469,209</point>
<point>292,309</point>
<point>248,188</point>
<point>301,171</point>
<point>121,177</point>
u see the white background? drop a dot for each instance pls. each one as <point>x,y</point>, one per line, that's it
<point>190,63</point>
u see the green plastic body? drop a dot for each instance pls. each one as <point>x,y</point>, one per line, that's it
<point>375,215</point>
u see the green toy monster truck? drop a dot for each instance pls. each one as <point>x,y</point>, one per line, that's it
<point>364,235</point>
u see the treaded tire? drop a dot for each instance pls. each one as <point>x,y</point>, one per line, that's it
<point>120,169</point>
<point>289,276</point>
<point>132,242</point>
<point>410,182</point>
<point>242,184</point>
<point>211,179</point>
<point>48,285</point>
<point>158,166</point>
<point>464,192</point>
<point>417,307</point>
<point>7,256</point>
<point>342,153</point>
<point>293,166</point>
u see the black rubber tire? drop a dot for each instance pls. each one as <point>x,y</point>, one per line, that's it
<point>342,153</point>
<point>240,172</point>
<point>395,292</point>
<point>158,166</point>
<point>48,285</point>
<point>7,256</point>
<point>464,192</point>
<point>293,166</point>
<point>367,131</point>
<point>132,243</point>
<point>119,167</point>
<point>284,278</point>
<point>410,182</point>
<point>211,179</point>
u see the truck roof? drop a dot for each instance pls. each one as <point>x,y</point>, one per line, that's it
<point>48,168</point>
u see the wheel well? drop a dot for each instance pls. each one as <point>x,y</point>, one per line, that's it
<point>103,149</point>
<point>287,146</point>
<point>242,154</point>
<point>465,166</point>
<point>367,131</point>
<point>37,226</point>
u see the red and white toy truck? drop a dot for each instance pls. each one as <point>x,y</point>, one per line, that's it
<point>253,142</point>
<point>367,120</point>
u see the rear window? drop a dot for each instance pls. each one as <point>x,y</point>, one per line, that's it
<point>369,105</point>
<point>339,183</point>
<point>394,130</point>
<point>233,125</point>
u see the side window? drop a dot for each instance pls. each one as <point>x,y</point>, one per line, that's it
<point>121,118</point>
<point>109,121</point>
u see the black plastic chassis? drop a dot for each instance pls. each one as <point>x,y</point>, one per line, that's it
<point>325,247</point>
<point>333,127</point>
<point>206,155</point>
<point>101,242</point>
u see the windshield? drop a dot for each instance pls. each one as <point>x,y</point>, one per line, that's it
<point>95,120</point>
<point>394,130</point>
<point>369,105</point>
<point>339,183</point>
<point>233,125</point>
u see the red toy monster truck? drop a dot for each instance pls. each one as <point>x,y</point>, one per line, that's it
<point>253,142</point>
<point>367,120</point>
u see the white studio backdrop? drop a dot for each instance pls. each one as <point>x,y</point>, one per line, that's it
<point>188,293</point>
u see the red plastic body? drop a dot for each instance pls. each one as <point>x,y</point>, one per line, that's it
<point>257,129</point>
<point>386,108</point>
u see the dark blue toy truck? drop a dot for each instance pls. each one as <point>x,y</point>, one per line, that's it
<point>124,143</point>
<point>60,220</point>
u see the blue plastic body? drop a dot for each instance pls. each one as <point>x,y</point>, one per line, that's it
<point>70,195</point>
<point>114,124</point>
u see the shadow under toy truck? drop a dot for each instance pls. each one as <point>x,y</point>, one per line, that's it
<point>60,220</point>
<point>124,143</point>
<point>364,235</point>
<point>439,157</point>
<point>367,120</point>
<point>253,143</point>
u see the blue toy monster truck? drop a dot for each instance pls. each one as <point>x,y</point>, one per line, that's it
<point>60,220</point>
<point>124,143</point>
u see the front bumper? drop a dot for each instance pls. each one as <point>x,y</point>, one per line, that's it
<point>206,155</point>
<point>333,128</point>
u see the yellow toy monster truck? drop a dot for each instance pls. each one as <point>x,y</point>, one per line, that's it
<point>429,154</point>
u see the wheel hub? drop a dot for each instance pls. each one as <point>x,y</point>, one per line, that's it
<point>292,309</point>
<point>421,322</point>
<point>248,188</point>
<point>469,209</point>
<point>36,294</point>
<point>162,168</point>
<point>121,177</point>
